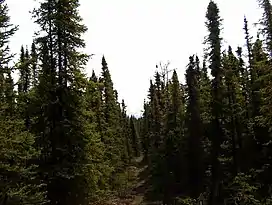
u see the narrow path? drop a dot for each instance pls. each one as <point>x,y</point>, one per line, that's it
<point>140,188</point>
<point>136,193</point>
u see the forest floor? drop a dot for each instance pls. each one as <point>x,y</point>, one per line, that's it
<point>137,189</point>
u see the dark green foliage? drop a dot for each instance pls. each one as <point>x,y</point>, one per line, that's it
<point>175,144</point>
<point>219,149</point>
<point>112,119</point>
<point>66,139</point>
<point>266,22</point>
<point>230,65</point>
<point>19,178</point>
<point>63,125</point>
<point>34,66</point>
<point>128,152</point>
<point>135,142</point>
<point>19,183</point>
<point>217,135</point>
<point>7,30</point>
<point>195,131</point>
<point>145,128</point>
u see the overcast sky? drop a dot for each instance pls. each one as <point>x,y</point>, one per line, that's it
<point>135,35</point>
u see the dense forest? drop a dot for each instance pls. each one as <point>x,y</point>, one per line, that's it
<point>65,138</point>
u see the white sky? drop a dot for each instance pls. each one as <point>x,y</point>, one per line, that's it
<point>135,35</point>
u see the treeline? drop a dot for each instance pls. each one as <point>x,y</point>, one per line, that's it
<point>209,141</point>
<point>64,137</point>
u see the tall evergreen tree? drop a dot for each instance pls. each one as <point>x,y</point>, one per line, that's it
<point>98,180</point>
<point>175,145</point>
<point>260,65</point>
<point>214,42</point>
<point>22,71</point>
<point>112,117</point>
<point>66,138</point>
<point>195,133</point>
<point>145,127</point>
<point>231,70</point>
<point>205,102</point>
<point>263,71</point>
<point>24,84</point>
<point>34,66</point>
<point>266,21</point>
<point>248,42</point>
<point>126,135</point>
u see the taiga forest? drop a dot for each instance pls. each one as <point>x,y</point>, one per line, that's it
<point>67,139</point>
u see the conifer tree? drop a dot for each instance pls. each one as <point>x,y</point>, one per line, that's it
<point>260,65</point>
<point>134,137</point>
<point>34,66</point>
<point>174,144</point>
<point>111,115</point>
<point>214,42</point>
<point>231,70</point>
<point>195,133</point>
<point>265,79</point>
<point>157,156</point>
<point>94,77</point>
<point>98,180</point>
<point>22,74</point>
<point>244,80</point>
<point>65,134</point>
<point>126,135</point>
<point>158,112</point>
<point>205,101</point>
<point>115,130</point>
<point>248,42</point>
<point>263,72</point>
<point>145,135</point>
<point>24,84</point>
<point>266,21</point>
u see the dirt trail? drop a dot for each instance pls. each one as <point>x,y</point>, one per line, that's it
<point>140,188</point>
<point>136,194</point>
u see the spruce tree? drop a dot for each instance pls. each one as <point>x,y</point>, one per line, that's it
<point>127,153</point>
<point>145,127</point>
<point>265,67</point>
<point>158,112</point>
<point>98,180</point>
<point>248,42</point>
<point>22,71</point>
<point>205,103</point>
<point>34,66</point>
<point>263,121</point>
<point>259,69</point>
<point>111,116</point>
<point>231,70</point>
<point>115,130</point>
<point>156,135</point>
<point>65,134</point>
<point>94,77</point>
<point>266,22</point>
<point>213,40</point>
<point>174,148</point>
<point>134,137</point>
<point>24,85</point>
<point>195,133</point>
